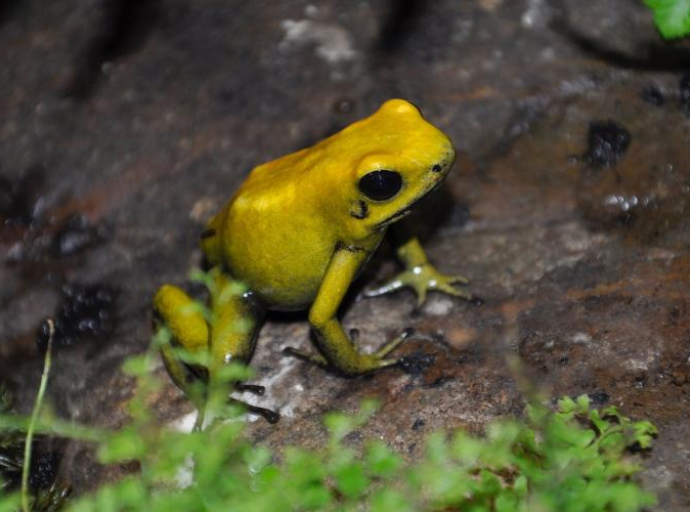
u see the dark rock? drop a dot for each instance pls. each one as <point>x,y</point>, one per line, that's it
<point>417,363</point>
<point>75,235</point>
<point>685,90</point>
<point>598,398</point>
<point>652,95</point>
<point>85,312</point>
<point>606,143</point>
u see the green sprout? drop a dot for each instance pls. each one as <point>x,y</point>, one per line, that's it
<point>17,441</point>
<point>672,17</point>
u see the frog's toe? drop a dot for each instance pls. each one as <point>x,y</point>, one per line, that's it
<point>427,278</point>
<point>448,288</point>
<point>267,414</point>
<point>421,296</point>
<point>391,345</point>
<point>305,356</point>
<point>250,388</point>
<point>459,279</point>
<point>388,287</point>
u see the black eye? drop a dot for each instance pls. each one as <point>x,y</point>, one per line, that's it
<point>380,185</point>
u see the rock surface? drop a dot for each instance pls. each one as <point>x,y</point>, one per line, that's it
<point>124,125</point>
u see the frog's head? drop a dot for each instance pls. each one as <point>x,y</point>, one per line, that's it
<point>398,158</point>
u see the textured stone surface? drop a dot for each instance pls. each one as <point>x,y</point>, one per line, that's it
<point>138,119</point>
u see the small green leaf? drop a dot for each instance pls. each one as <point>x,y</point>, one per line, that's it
<point>138,366</point>
<point>601,424</point>
<point>386,500</point>
<point>351,479</point>
<point>9,503</point>
<point>257,458</point>
<point>566,405</point>
<point>339,424</point>
<point>506,501</point>
<point>303,466</point>
<point>672,17</point>
<point>463,446</point>
<point>315,496</point>
<point>124,445</point>
<point>381,461</point>
<point>582,402</point>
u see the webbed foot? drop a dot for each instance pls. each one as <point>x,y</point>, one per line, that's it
<point>422,279</point>
<point>267,414</point>
<point>364,363</point>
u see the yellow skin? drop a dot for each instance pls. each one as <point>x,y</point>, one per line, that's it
<point>299,231</point>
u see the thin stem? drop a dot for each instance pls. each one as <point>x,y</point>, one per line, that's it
<point>34,417</point>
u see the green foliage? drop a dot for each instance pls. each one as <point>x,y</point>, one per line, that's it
<point>572,459</point>
<point>13,465</point>
<point>672,17</point>
<point>575,458</point>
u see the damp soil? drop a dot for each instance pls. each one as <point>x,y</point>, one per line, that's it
<point>125,125</point>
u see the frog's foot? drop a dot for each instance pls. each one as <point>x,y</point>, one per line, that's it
<point>316,359</point>
<point>364,363</point>
<point>267,414</point>
<point>250,388</point>
<point>391,345</point>
<point>424,278</point>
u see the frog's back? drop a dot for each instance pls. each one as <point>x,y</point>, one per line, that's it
<point>272,236</point>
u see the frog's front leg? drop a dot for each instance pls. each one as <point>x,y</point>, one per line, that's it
<point>337,348</point>
<point>419,273</point>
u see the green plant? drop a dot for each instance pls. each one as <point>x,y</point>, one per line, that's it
<point>574,458</point>
<point>672,17</point>
<point>16,448</point>
<point>570,458</point>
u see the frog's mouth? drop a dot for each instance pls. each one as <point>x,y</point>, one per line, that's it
<point>396,216</point>
<point>406,211</point>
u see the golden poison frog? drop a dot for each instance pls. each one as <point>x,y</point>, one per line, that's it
<point>298,232</point>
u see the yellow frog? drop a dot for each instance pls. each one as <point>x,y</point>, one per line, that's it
<point>298,232</point>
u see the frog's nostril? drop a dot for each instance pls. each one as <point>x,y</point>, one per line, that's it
<point>437,168</point>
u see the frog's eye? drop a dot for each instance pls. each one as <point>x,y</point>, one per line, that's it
<point>380,185</point>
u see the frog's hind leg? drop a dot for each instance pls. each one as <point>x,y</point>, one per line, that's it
<point>231,336</point>
<point>181,315</point>
<point>237,318</point>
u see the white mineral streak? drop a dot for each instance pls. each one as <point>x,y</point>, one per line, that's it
<point>333,43</point>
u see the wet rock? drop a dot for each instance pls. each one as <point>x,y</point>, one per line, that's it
<point>84,312</point>
<point>13,204</point>
<point>685,91</point>
<point>75,235</point>
<point>417,363</point>
<point>44,468</point>
<point>652,95</point>
<point>606,143</point>
<point>598,398</point>
<point>19,196</point>
<point>418,424</point>
<point>45,242</point>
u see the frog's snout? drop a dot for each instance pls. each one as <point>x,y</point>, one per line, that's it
<point>443,165</point>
